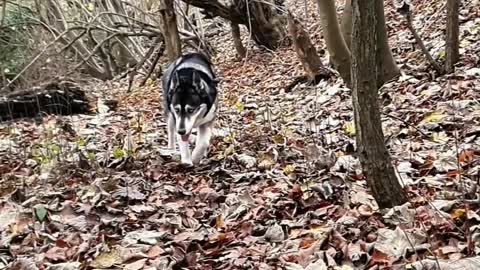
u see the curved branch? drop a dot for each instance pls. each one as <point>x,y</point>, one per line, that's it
<point>213,8</point>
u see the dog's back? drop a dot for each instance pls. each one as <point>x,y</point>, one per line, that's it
<point>195,61</point>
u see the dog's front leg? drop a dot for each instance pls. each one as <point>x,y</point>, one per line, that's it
<point>202,142</point>
<point>184,150</point>
<point>171,131</point>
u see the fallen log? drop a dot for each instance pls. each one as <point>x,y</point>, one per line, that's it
<point>57,97</point>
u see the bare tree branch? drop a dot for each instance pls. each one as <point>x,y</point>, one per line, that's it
<point>406,11</point>
<point>4,12</point>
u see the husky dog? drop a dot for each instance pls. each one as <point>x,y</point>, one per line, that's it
<point>190,101</point>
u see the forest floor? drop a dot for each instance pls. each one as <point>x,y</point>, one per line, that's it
<point>280,188</point>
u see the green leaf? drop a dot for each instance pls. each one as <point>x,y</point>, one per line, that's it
<point>240,106</point>
<point>91,156</point>
<point>40,212</point>
<point>91,7</point>
<point>55,149</point>
<point>118,153</point>
<point>350,128</point>
<point>441,55</point>
<point>81,142</point>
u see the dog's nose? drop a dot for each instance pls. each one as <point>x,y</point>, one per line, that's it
<point>181,131</point>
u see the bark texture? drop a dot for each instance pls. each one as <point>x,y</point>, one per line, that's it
<point>346,23</point>
<point>337,48</point>
<point>237,40</point>
<point>61,97</point>
<point>304,48</point>
<point>418,39</point>
<point>375,159</point>
<point>265,23</point>
<point>452,37</point>
<point>260,17</point>
<point>387,69</point>
<point>386,65</point>
<point>170,29</point>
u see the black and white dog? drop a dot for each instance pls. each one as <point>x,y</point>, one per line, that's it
<point>190,101</point>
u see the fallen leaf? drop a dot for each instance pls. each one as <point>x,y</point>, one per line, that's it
<point>274,233</point>
<point>56,254</point>
<point>107,259</point>
<point>394,243</point>
<point>40,212</point>
<point>137,265</point>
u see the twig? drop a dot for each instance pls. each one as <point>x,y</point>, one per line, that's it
<point>4,12</point>
<point>249,31</point>
<point>468,236</point>
<point>132,71</point>
<point>20,73</point>
<point>97,47</point>
<point>195,32</point>
<point>154,63</point>
<point>408,15</point>
<point>406,123</point>
<point>421,223</point>
<point>306,9</point>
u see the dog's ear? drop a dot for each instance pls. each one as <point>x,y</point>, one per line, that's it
<point>175,81</point>
<point>196,79</point>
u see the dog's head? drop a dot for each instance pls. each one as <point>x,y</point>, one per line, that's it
<point>188,101</point>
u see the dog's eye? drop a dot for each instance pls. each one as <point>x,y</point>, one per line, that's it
<point>190,110</point>
<point>177,110</point>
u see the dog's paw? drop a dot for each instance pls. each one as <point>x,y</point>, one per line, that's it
<point>188,163</point>
<point>197,157</point>
<point>196,161</point>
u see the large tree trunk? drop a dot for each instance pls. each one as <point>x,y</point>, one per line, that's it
<point>265,24</point>
<point>337,48</point>
<point>452,43</point>
<point>170,29</point>
<point>387,69</point>
<point>386,66</point>
<point>375,159</point>
<point>346,23</point>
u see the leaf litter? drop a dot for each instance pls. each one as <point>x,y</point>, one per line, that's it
<point>281,187</point>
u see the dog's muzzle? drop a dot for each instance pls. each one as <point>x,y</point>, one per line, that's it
<point>183,134</point>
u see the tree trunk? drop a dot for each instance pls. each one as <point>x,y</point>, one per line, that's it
<point>237,40</point>
<point>337,48</point>
<point>260,17</point>
<point>387,69</point>
<point>386,66</point>
<point>304,48</point>
<point>346,23</point>
<point>375,159</point>
<point>265,24</point>
<point>452,39</point>
<point>170,29</point>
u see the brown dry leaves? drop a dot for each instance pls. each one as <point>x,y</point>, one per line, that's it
<point>280,187</point>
